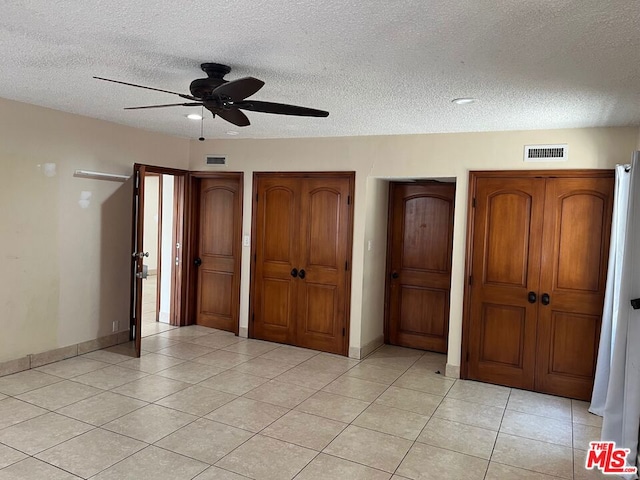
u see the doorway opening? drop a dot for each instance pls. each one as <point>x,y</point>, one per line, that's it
<point>418,263</point>
<point>161,243</point>
<point>157,246</point>
<point>186,250</point>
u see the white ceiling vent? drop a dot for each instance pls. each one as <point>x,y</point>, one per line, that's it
<point>546,153</point>
<point>216,160</point>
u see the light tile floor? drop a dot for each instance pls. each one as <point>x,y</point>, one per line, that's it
<point>149,306</point>
<point>203,404</point>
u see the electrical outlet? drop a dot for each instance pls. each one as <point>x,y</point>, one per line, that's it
<point>115,326</point>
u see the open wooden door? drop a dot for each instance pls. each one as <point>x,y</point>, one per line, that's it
<point>137,263</point>
<point>138,255</point>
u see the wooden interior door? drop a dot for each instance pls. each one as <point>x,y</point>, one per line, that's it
<point>419,264</point>
<point>576,232</point>
<point>276,239</point>
<point>218,253</point>
<point>137,256</point>
<point>325,217</point>
<point>505,266</point>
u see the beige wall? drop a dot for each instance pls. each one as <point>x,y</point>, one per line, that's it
<point>65,269</point>
<point>387,157</point>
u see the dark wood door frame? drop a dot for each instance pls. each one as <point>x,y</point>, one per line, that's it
<point>348,174</point>
<point>191,219</point>
<point>473,176</point>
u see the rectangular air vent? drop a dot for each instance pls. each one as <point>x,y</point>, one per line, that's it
<point>216,160</point>
<point>546,153</point>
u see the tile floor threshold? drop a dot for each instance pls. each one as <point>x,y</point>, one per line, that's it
<point>203,404</point>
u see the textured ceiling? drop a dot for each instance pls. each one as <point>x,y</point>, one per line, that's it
<point>377,67</point>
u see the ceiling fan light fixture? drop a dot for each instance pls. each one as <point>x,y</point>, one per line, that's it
<point>464,100</point>
<point>194,116</point>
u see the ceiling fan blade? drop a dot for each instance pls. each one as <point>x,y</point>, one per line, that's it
<point>234,116</point>
<point>193,104</point>
<point>280,109</point>
<point>239,89</point>
<point>189,97</point>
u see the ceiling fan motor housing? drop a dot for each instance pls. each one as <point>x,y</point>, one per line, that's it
<point>202,87</point>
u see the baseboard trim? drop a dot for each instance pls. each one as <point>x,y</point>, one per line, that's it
<point>243,332</point>
<point>452,371</point>
<point>361,352</point>
<point>35,360</point>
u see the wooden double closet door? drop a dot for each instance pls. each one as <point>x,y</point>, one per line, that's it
<point>538,252</point>
<point>302,255</point>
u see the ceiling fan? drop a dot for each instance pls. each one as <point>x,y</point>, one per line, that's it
<point>226,98</point>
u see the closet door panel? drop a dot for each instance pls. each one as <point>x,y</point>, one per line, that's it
<point>576,233</point>
<point>277,224</point>
<point>323,242</point>
<point>505,268</point>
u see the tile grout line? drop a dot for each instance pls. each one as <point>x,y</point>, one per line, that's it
<point>395,472</point>
<point>495,442</point>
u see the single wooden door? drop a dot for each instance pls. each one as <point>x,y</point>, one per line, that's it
<point>137,256</point>
<point>419,264</point>
<point>575,248</point>
<point>218,254</point>
<point>507,240</point>
<point>325,218</point>
<point>277,234</point>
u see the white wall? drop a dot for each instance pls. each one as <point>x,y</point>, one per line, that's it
<point>438,155</point>
<point>375,260</point>
<point>151,203</point>
<point>65,269</point>
<point>167,262</point>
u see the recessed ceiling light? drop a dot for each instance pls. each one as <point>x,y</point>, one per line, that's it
<point>194,116</point>
<point>233,133</point>
<point>464,100</point>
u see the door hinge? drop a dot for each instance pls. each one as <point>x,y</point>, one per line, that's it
<point>344,331</point>
<point>348,199</point>
<point>473,203</point>
<point>470,279</point>
<point>253,317</point>
<point>346,265</point>
<point>256,197</point>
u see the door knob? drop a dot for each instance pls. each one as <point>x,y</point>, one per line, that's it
<point>395,275</point>
<point>294,272</point>
<point>140,254</point>
<point>302,274</point>
<point>197,262</point>
<point>545,299</point>
<point>532,297</point>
